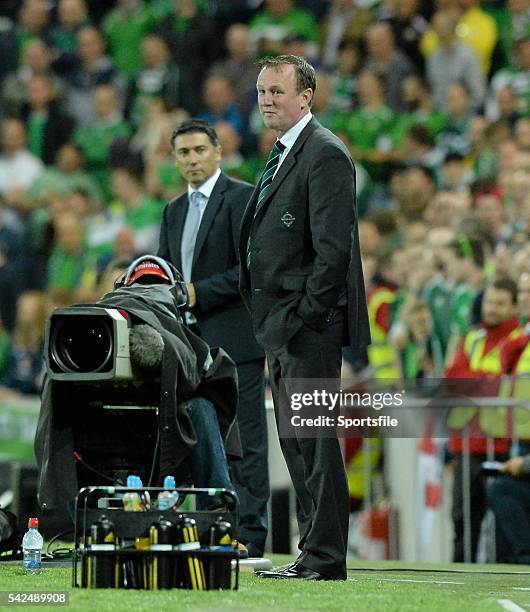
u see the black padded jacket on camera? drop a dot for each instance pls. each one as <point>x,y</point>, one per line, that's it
<point>182,376</point>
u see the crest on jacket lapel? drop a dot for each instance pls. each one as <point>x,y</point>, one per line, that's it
<point>287,219</point>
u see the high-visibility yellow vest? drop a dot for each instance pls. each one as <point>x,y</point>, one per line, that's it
<point>382,356</point>
<point>518,387</point>
<point>492,420</point>
<point>357,469</point>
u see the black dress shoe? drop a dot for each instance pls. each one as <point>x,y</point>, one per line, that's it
<point>297,571</point>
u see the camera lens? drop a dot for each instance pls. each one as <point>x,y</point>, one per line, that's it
<point>82,344</point>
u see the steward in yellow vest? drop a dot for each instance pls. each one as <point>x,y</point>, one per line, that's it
<point>382,354</point>
<point>480,357</point>
<point>516,366</point>
<point>516,384</point>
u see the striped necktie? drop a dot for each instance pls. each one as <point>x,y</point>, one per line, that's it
<point>271,167</point>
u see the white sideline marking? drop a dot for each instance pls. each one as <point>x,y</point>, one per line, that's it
<point>509,606</point>
<point>520,588</point>
<point>421,581</point>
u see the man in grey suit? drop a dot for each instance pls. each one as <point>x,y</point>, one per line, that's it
<point>301,279</point>
<point>199,235</point>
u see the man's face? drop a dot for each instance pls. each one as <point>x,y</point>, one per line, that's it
<point>523,295</point>
<point>421,325</point>
<point>280,104</point>
<point>13,135</point>
<point>497,306</point>
<point>196,157</point>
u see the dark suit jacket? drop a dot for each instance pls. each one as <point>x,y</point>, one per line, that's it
<point>223,319</point>
<point>306,263</point>
<point>57,131</point>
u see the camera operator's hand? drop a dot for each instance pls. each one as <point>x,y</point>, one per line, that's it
<point>192,296</point>
<point>180,293</point>
<point>514,466</point>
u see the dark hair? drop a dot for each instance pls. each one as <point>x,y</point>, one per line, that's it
<point>420,133</point>
<point>385,222</point>
<point>506,284</point>
<point>192,126</point>
<point>453,157</point>
<point>349,43</point>
<point>305,73</point>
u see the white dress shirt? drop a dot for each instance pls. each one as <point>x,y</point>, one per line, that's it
<point>290,137</point>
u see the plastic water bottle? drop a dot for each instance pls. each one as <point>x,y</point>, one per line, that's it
<point>32,548</point>
<point>131,501</point>
<point>167,499</point>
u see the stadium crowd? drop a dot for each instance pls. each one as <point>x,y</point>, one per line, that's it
<point>431,98</point>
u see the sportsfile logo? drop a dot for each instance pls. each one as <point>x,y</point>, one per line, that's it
<point>324,407</point>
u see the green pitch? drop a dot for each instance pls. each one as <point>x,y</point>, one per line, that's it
<point>373,587</point>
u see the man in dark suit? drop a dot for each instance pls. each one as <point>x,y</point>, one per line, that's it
<point>301,278</point>
<point>200,236</point>
<point>48,127</point>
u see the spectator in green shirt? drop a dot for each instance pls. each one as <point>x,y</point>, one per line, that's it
<point>125,27</point>
<point>37,59</point>
<point>279,19</point>
<point>232,162</point>
<point>72,16</point>
<point>67,175</point>
<point>68,260</point>
<point>418,148</point>
<point>419,110</point>
<point>483,155</point>
<point>465,270</point>
<point>421,355</point>
<point>33,23</point>
<point>344,77</point>
<point>516,77</point>
<point>513,25</point>
<point>95,140</point>
<point>322,109</point>
<point>367,130</point>
<point>192,37</point>
<point>159,77</point>
<point>139,211</point>
<point>91,69</point>
<point>454,138</point>
<point>238,67</point>
<point>47,125</point>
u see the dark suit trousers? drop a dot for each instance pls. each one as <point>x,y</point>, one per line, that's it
<point>250,474</point>
<point>315,464</point>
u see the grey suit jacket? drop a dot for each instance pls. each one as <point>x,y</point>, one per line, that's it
<point>305,258</point>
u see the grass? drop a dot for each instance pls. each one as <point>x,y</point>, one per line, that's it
<point>377,587</point>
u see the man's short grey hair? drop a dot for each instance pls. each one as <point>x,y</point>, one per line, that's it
<point>305,73</point>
